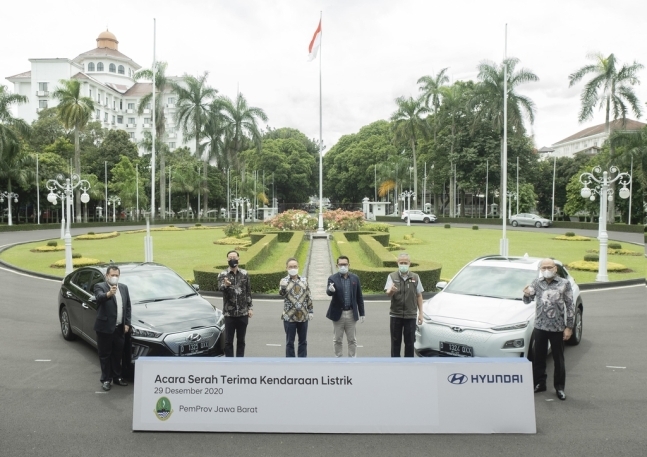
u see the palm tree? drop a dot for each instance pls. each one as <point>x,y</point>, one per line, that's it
<point>10,126</point>
<point>431,89</point>
<point>488,99</point>
<point>17,166</point>
<point>75,111</point>
<point>610,88</point>
<point>213,130</point>
<point>453,106</point>
<point>162,84</point>
<point>409,126</point>
<point>243,120</point>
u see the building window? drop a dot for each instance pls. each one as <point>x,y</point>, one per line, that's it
<point>147,120</point>
<point>131,135</point>
<point>171,145</point>
<point>90,93</point>
<point>98,116</point>
<point>42,104</point>
<point>100,66</point>
<point>131,106</point>
<point>170,130</point>
<point>121,104</point>
<point>113,119</point>
<point>120,119</point>
<point>42,87</point>
<point>131,120</point>
<point>105,117</point>
<point>148,106</point>
<point>171,100</point>
<point>120,70</point>
<point>114,104</point>
<point>112,68</point>
<point>91,66</point>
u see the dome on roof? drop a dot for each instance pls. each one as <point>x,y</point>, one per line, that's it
<point>108,40</point>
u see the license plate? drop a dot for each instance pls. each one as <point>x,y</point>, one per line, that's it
<point>194,348</point>
<point>459,350</point>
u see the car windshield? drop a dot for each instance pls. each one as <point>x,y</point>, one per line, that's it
<point>490,281</point>
<point>154,285</point>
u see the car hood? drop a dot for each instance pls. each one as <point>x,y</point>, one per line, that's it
<point>477,312</point>
<point>176,315</point>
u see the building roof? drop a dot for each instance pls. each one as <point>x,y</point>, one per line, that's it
<point>111,86</point>
<point>546,149</point>
<point>106,52</point>
<point>629,124</point>
<point>24,75</point>
<point>139,89</point>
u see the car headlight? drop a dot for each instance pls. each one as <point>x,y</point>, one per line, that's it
<point>221,321</point>
<point>144,332</point>
<point>514,344</point>
<point>504,328</point>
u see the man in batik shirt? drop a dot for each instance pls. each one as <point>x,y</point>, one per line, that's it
<point>297,309</point>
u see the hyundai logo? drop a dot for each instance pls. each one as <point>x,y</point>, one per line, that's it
<point>194,337</point>
<point>457,378</point>
<point>457,329</point>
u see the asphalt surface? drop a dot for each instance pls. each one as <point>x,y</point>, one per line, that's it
<point>51,403</point>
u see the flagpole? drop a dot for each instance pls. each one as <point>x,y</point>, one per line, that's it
<point>487,183</point>
<point>503,248</point>
<point>153,149</point>
<point>320,229</point>
<point>552,216</point>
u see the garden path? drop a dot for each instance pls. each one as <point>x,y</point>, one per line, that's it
<point>319,268</point>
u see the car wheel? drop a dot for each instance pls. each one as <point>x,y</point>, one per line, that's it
<point>426,220</point>
<point>66,327</point>
<point>538,224</point>
<point>515,223</point>
<point>576,337</point>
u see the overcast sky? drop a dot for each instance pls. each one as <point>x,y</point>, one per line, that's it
<point>373,50</point>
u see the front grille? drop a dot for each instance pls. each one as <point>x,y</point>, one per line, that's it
<point>469,337</point>
<point>175,340</point>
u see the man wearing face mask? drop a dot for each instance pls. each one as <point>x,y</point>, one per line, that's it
<point>111,324</point>
<point>297,308</point>
<point>237,304</point>
<point>346,306</point>
<point>405,289</point>
<point>554,320</point>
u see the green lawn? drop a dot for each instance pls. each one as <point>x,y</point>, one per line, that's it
<point>454,247</point>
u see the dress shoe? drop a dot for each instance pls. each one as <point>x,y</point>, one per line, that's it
<point>106,385</point>
<point>120,382</point>
<point>540,388</point>
<point>561,395</point>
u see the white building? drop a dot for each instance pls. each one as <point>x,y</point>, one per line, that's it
<point>107,78</point>
<point>589,140</point>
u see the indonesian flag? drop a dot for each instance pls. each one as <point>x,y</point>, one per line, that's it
<point>315,43</point>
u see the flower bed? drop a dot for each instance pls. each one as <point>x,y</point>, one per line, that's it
<point>97,236</point>
<point>572,238</point>
<point>583,265</point>
<point>77,263</point>
<point>293,219</point>
<point>48,248</point>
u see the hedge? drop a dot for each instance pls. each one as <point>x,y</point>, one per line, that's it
<point>264,278</point>
<point>373,277</point>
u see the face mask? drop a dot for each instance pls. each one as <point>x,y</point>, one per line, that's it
<point>233,263</point>
<point>293,271</point>
<point>343,269</point>
<point>403,268</point>
<point>548,274</point>
<point>113,280</point>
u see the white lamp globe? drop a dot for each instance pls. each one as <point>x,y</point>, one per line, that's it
<point>624,193</point>
<point>85,197</point>
<point>585,192</point>
<point>51,198</point>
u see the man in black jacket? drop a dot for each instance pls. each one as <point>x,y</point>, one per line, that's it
<point>346,306</point>
<point>111,324</point>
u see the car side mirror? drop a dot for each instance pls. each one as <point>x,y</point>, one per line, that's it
<point>441,285</point>
<point>93,299</point>
<point>196,287</point>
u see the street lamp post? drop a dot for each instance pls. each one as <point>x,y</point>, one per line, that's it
<point>9,196</point>
<point>114,201</point>
<point>68,188</point>
<point>241,201</point>
<point>408,194</point>
<point>512,195</point>
<point>601,187</point>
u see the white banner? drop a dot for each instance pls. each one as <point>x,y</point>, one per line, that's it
<point>320,395</point>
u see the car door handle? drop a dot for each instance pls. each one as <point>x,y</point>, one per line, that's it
<point>85,306</point>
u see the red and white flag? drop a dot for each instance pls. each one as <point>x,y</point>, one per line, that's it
<point>315,43</point>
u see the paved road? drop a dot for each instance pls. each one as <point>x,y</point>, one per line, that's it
<point>51,403</point>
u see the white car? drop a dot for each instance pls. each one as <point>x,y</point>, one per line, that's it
<point>418,216</point>
<point>480,313</point>
<point>530,220</point>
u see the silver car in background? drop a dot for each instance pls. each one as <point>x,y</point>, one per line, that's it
<point>530,220</point>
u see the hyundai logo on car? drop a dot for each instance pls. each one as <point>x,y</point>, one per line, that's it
<point>194,337</point>
<point>457,378</point>
<point>457,329</point>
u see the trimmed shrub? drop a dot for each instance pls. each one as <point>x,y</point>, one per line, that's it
<point>475,227</point>
<point>52,243</point>
<point>100,236</point>
<point>614,245</point>
<point>90,233</point>
<point>448,226</point>
<point>77,263</point>
<point>198,225</point>
<point>569,234</point>
<point>583,265</point>
<point>376,227</point>
<point>572,238</point>
<point>591,257</point>
<point>233,229</point>
<point>76,255</point>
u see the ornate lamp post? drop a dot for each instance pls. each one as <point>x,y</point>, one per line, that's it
<point>9,196</point>
<point>408,194</point>
<point>601,187</point>
<point>114,201</point>
<point>68,187</point>
<point>240,201</point>
<point>511,195</point>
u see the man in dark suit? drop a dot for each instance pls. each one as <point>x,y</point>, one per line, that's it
<point>346,306</point>
<point>111,324</point>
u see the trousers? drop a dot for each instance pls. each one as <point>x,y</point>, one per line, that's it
<point>400,326</point>
<point>345,324</point>
<point>292,329</point>
<point>111,348</point>
<point>542,337</point>
<point>235,326</point>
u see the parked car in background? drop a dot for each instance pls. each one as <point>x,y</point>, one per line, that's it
<point>169,317</point>
<point>417,215</point>
<point>481,313</point>
<point>530,219</point>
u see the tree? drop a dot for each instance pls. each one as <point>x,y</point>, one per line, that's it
<point>162,84</point>
<point>46,129</point>
<point>488,98</point>
<point>431,89</point>
<point>409,125</point>
<point>17,166</point>
<point>11,128</point>
<point>633,145</point>
<point>213,130</point>
<point>123,182</point>
<point>116,144</point>
<point>74,111</point>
